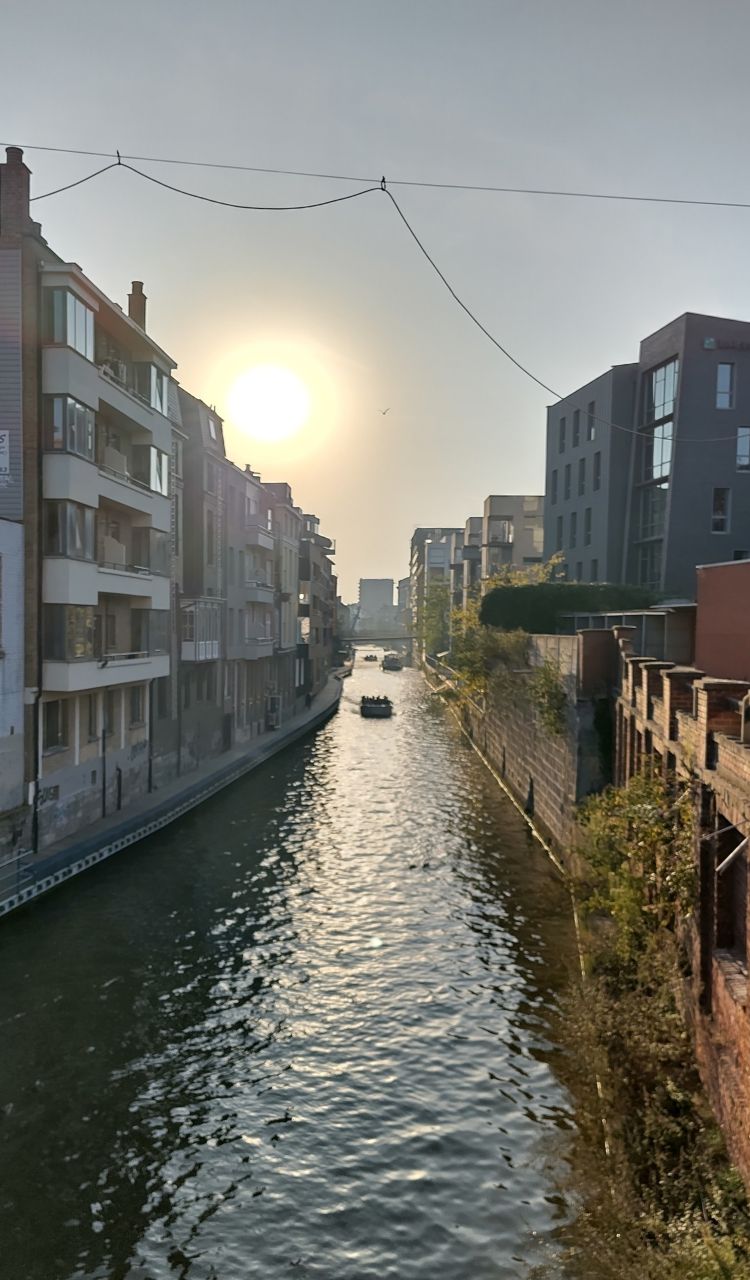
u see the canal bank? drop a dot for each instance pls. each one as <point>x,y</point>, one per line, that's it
<point>308,1029</point>
<point>25,877</point>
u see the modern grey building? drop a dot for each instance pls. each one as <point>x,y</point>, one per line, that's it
<point>588,466</point>
<point>671,492</point>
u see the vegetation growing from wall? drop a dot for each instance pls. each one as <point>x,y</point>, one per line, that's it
<point>660,1198</point>
<point>535,607</point>
<point>436,618</point>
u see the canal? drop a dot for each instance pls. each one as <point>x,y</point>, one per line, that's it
<point>305,1031</point>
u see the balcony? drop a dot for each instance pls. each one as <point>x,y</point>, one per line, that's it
<point>258,592</point>
<point>111,669</point>
<point>200,623</point>
<point>257,535</point>
<point>258,646</point>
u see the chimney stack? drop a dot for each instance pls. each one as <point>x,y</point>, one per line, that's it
<point>137,304</point>
<point>15,219</point>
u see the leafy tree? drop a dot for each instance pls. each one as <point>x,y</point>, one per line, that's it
<point>436,618</point>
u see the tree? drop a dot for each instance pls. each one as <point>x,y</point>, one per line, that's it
<point>436,618</point>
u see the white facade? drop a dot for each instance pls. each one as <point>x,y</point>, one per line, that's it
<point>11,664</point>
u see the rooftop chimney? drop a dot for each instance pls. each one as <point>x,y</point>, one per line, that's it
<point>137,304</point>
<point>14,194</point>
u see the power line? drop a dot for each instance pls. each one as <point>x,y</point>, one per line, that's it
<point>402,182</point>
<point>353,195</point>
<point>194,195</point>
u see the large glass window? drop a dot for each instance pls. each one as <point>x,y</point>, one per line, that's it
<point>720,511</point>
<point>661,392</point>
<point>725,386</point>
<point>55,726</point>
<point>69,530</point>
<point>576,428</point>
<point>137,703</point>
<point>591,421</point>
<point>152,386</point>
<point>68,632</point>
<point>656,451</point>
<point>743,448</point>
<point>587,527</point>
<point>653,510</point>
<point>151,467</point>
<point>71,322</point>
<point>69,426</point>
<point>649,565</point>
<point>151,550</point>
<point>150,630</point>
<point>573,528</point>
<point>559,534</point>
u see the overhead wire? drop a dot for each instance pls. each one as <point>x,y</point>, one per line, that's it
<point>400,182</point>
<point>353,195</point>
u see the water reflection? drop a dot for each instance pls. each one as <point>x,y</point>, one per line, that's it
<point>305,1031</point>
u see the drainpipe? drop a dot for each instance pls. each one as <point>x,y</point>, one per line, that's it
<point>37,738</point>
<point>151,734</point>
<point>104,753</point>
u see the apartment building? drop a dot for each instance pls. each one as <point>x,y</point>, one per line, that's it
<point>587,467</point>
<point>11,523</point>
<point>472,560</point>
<point>249,681</point>
<point>666,487</point>
<point>428,563</point>
<point>91,420</point>
<point>512,532</point>
<point>317,604</point>
<point>287,522</point>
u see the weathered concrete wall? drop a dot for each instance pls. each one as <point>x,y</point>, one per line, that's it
<point>548,773</point>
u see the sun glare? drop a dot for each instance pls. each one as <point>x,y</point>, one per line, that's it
<point>269,402</point>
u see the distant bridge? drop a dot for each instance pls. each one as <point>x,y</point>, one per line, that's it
<point>379,637</point>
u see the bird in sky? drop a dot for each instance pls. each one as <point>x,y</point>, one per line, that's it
<point>385,411</point>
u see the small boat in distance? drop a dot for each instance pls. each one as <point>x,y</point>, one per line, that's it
<point>392,662</point>
<point>376,708</point>
<point>370,657</point>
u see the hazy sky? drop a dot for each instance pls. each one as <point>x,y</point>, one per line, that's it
<point>640,97</point>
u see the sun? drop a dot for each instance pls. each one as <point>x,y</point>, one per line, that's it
<point>269,402</point>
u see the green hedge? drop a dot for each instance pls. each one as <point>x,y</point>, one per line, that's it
<point>535,607</point>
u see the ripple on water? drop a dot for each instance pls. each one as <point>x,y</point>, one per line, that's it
<point>320,1014</point>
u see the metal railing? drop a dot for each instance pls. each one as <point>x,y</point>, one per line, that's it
<point>16,873</point>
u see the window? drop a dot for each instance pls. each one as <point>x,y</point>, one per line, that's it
<point>741,555</point>
<point>656,451</point>
<point>136,705</point>
<point>69,426</point>
<point>661,392</point>
<point>594,575</point>
<point>188,625</point>
<point>576,428</point>
<point>152,386</point>
<point>162,697</point>
<point>573,527</point>
<point>212,429</point>
<point>566,489</point>
<point>581,477</point>
<point>743,448</point>
<point>210,477</point>
<point>591,421</point>
<point>579,571</point>
<point>559,534</point>
<point>649,565</point>
<point>561,437</point>
<point>653,510</point>
<point>553,489</point>
<point>210,538</point>
<point>55,725</point>
<point>597,470</point>
<point>92,716</point>
<point>111,699</point>
<point>720,511</point>
<point>68,632</point>
<point>71,322</point>
<point>587,527</point>
<point>69,530</point>
<point>151,468</point>
<point>725,386</point>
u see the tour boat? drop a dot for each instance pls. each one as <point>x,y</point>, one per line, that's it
<point>371,657</point>
<point>376,708</point>
<point>392,662</point>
